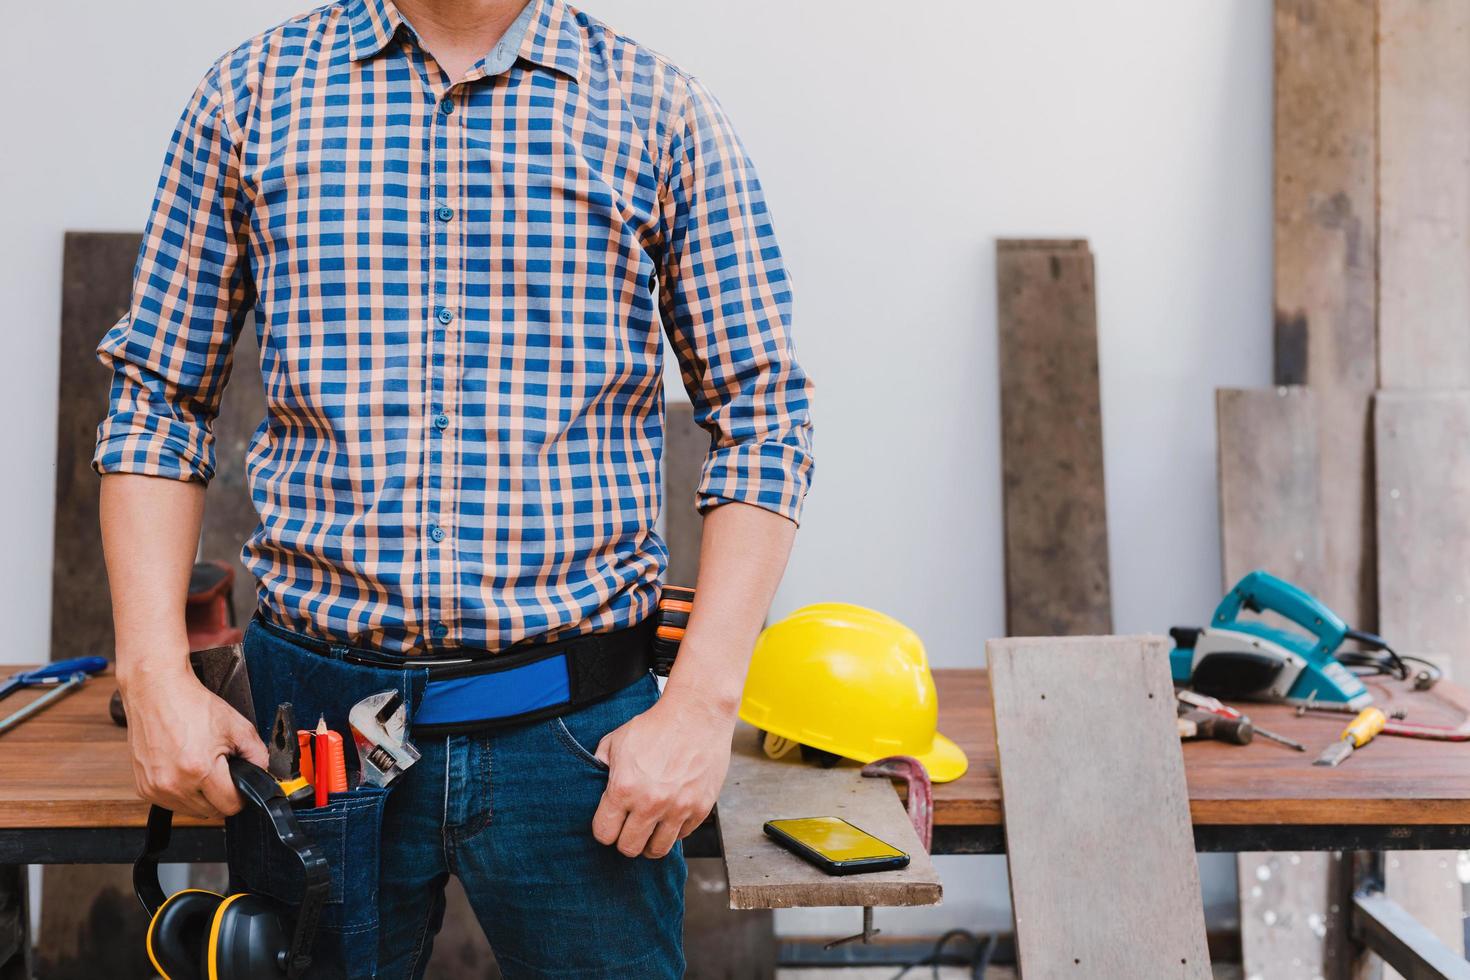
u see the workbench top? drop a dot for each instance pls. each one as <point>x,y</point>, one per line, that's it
<point>68,767</point>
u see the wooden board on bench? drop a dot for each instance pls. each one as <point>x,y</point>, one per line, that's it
<point>763,875</point>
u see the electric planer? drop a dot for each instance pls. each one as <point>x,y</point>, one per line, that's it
<point>1252,659</point>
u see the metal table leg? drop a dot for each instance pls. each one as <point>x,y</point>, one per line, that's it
<point>1382,925</point>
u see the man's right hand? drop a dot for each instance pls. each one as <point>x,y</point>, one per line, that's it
<point>181,736</point>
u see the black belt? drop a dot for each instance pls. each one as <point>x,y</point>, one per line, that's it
<point>475,690</point>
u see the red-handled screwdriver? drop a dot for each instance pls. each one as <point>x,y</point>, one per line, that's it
<point>1217,707</point>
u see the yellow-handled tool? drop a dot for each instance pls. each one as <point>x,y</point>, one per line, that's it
<point>1360,732</point>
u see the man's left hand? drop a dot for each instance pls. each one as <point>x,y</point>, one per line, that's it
<point>666,769</point>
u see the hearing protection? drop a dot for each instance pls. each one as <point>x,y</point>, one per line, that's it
<point>200,935</point>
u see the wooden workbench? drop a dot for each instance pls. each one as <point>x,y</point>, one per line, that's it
<point>66,789</point>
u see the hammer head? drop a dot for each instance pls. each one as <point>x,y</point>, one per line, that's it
<point>379,725</point>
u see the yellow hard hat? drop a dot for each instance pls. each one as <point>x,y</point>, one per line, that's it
<point>849,681</point>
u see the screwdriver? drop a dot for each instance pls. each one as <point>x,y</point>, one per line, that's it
<point>1360,732</point>
<point>1215,706</point>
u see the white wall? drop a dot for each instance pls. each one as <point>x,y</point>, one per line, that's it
<point>897,141</point>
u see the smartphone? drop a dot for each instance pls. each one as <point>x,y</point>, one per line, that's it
<point>835,846</point>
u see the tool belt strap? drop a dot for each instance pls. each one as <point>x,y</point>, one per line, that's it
<point>498,690</point>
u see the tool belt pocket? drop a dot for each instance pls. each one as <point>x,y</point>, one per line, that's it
<point>347,831</point>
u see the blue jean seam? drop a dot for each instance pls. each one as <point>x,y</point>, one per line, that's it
<point>578,750</point>
<point>467,833</point>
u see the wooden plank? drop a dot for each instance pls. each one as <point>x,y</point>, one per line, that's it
<point>229,513</point>
<point>1326,248</point>
<point>1270,517</point>
<point>1424,193</point>
<point>763,875</point>
<point>685,447</point>
<point>1424,524</point>
<point>1079,784</point>
<point>1270,495</point>
<point>1056,534</point>
<point>96,285</point>
<point>1423,586</point>
<point>87,912</point>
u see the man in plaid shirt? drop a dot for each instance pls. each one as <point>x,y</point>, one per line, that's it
<point>463,228</point>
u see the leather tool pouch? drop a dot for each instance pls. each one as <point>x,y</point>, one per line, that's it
<point>348,830</point>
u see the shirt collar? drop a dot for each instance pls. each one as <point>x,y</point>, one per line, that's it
<point>553,38</point>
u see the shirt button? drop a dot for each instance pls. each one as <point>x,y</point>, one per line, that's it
<point>446,315</point>
<point>444,212</point>
<point>446,104</point>
<point>440,631</point>
<point>438,533</point>
<point>441,421</point>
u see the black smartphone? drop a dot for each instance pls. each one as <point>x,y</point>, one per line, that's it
<point>835,846</point>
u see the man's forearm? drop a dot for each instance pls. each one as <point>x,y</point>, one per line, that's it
<point>150,536</point>
<point>743,553</point>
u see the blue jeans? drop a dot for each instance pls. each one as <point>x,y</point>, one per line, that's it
<point>508,812</point>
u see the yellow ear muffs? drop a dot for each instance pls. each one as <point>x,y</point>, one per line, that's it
<point>248,940</point>
<point>178,933</point>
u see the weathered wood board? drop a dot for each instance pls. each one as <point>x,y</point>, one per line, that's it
<point>1270,517</point>
<point>1056,533</point>
<point>1326,261</point>
<point>1073,790</point>
<point>1270,492</point>
<point>1424,194</point>
<point>763,875</point>
<point>88,912</point>
<point>229,513</point>
<point>96,285</point>
<point>1424,590</point>
<point>685,447</point>
<point>1424,524</point>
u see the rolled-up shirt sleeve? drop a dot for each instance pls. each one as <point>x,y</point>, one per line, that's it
<point>170,353</point>
<point>726,302</point>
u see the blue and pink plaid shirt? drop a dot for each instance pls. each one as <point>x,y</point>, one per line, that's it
<point>458,289</point>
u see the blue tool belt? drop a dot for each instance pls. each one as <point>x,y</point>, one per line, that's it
<point>475,690</point>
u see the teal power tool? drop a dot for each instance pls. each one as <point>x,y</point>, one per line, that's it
<point>1250,659</point>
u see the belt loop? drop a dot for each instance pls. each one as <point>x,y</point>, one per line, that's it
<point>336,651</point>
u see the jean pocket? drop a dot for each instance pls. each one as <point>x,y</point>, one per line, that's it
<point>579,732</point>
<point>348,832</point>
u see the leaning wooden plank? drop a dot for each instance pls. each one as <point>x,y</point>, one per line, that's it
<point>1424,194</point>
<point>685,447</point>
<point>1423,587</point>
<point>1270,517</point>
<point>1326,258</point>
<point>88,913</point>
<point>1056,532</point>
<point>96,284</point>
<point>1090,763</point>
<point>1270,493</point>
<point>763,875</point>
<point>229,513</point>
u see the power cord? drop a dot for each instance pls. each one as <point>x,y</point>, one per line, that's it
<point>1381,659</point>
<point>981,952</point>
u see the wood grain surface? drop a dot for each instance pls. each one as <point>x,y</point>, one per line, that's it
<point>1056,532</point>
<point>96,285</point>
<point>1393,781</point>
<point>1078,790</point>
<point>1423,492</point>
<point>1326,265</point>
<point>229,513</point>
<point>764,875</point>
<point>1270,517</point>
<point>1424,194</point>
